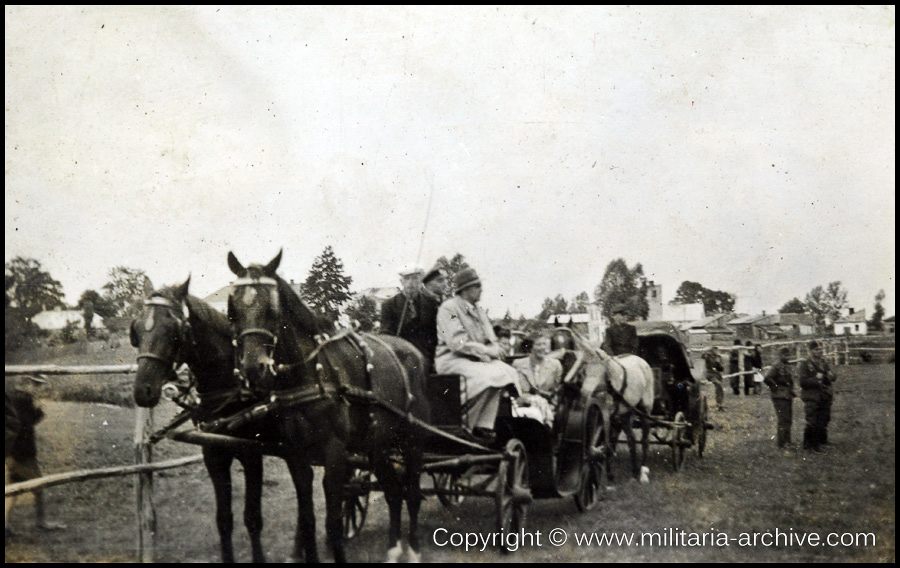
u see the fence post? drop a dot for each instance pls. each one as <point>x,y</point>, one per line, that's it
<point>146,514</point>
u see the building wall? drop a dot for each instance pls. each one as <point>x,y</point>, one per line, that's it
<point>854,328</point>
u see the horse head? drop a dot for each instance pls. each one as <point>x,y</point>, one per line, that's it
<point>159,335</point>
<point>270,323</point>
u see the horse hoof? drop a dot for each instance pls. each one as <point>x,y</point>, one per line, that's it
<point>645,474</point>
<point>394,554</point>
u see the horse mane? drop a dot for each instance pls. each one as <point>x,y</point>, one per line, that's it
<point>297,311</point>
<point>198,308</point>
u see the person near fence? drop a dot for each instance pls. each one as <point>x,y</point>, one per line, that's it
<point>467,346</point>
<point>734,366</point>
<point>753,360</point>
<point>714,368</point>
<point>21,463</point>
<point>817,391</point>
<point>780,381</point>
<point>539,378</point>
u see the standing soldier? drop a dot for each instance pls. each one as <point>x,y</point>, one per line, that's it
<point>734,367</point>
<point>714,374</point>
<point>816,378</point>
<point>781,383</point>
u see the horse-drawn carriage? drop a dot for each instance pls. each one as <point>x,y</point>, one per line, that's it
<point>302,415</point>
<point>678,418</point>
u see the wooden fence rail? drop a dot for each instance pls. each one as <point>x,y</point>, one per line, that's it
<point>143,467</point>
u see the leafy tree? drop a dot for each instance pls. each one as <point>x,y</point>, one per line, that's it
<point>714,301</point>
<point>452,267</point>
<point>30,289</point>
<point>326,288</point>
<point>621,284</point>
<point>794,306</point>
<point>365,312</point>
<point>126,290</point>
<point>878,313</point>
<point>548,307</point>
<point>102,306</point>
<point>579,304</point>
<point>825,304</point>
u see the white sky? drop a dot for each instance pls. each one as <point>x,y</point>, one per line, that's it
<point>750,149</point>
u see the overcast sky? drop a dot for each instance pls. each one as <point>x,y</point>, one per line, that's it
<point>750,149</point>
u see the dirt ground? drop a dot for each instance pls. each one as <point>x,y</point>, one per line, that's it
<point>742,485</point>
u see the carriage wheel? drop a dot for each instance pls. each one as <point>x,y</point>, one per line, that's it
<point>448,482</point>
<point>356,502</point>
<point>594,464</point>
<point>678,440</point>
<point>700,428</point>
<point>513,493</point>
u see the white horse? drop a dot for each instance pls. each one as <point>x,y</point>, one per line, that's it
<point>629,380</point>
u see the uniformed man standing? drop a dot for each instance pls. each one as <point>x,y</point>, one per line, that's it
<point>620,337</point>
<point>714,370</point>
<point>781,383</point>
<point>816,380</point>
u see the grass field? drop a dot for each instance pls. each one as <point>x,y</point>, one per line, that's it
<point>742,485</point>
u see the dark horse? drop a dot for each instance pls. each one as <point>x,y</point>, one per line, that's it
<point>177,328</point>
<point>286,353</point>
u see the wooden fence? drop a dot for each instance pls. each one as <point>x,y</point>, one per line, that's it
<point>143,467</point>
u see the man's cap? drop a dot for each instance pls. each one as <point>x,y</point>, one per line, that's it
<point>813,344</point>
<point>410,269</point>
<point>435,272</point>
<point>466,278</point>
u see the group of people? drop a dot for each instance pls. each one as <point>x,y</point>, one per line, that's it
<point>456,336</point>
<point>751,373</point>
<point>816,379</point>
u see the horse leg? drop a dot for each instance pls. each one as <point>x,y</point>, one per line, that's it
<point>218,466</point>
<point>253,520</point>
<point>336,473</point>
<point>305,539</point>
<point>614,430</point>
<point>413,495</point>
<point>645,446</point>
<point>393,496</point>
<point>628,426</point>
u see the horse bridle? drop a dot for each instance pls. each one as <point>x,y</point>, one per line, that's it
<point>272,337</point>
<point>183,326</point>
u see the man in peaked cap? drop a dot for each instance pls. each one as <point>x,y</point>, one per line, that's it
<point>816,379</point>
<point>400,314</point>
<point>468,346</point>
<point>620,337</point>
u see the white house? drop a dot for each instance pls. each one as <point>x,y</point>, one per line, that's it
<point>57,319</point>
<point>854,323</point>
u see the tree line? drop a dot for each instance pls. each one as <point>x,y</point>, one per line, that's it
<point>327,289</point>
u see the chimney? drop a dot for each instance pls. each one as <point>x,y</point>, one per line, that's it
<point>764,312</point>
<point>850,313</point>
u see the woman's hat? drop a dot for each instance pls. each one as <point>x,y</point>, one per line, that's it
<point>466,278</point>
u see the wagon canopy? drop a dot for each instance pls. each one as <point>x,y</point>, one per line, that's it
<point>660,344</point>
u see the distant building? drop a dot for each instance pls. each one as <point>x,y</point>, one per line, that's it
<point>219,299</point>
<point>854,323</point>
<point>53,320</point>
<point>377,295</point>
<point>711,330</point>
<point>676,313</point>
<point>772,327</point>
<point>577,322</point>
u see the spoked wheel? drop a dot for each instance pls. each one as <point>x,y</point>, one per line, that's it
<point>594,463</point>
<point>356,502</point>
<point>678,440</point>
<point>513,493</point>
<point>448,482</point>
<point>700,428</point>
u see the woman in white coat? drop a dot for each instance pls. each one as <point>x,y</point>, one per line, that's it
<point>467,346</point>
